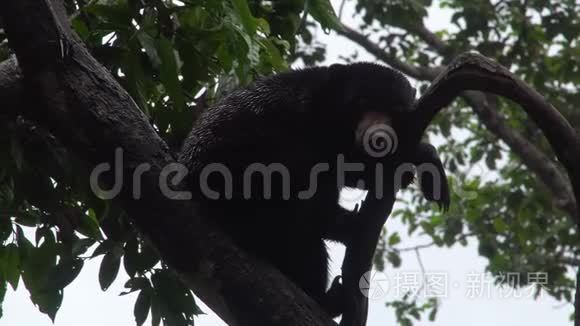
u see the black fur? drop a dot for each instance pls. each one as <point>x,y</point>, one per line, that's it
<point>296,119</point>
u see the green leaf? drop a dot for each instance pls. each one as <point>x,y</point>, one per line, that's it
<point>148,257</point>
<point>109,269</point>
<point>64,273</point>
<point>175,298</point>
<point>115,15</point>
<point>274,56</point>
<point>131,257</point>
<point>2,294</point>
<point>80,246</point>
<point>11,265</point>
<point>568,296</point>
<point>433,313</point>
<point>137,283</point>
<point>415,314</point>
<point>490,161</point>
<point>36,269</point>
<point>394,239</point>
<point>24,245</point>
<point>394,259</point>
<point>103,248</point>
<point>243,10</point>
<point>322,11</point>
<point>139,261</point>
<point>48,302</point>
<point>37,264</point>
<point>142,305</point>
<point>148,43</point>
<point>44,233</point>
<point>80,28</point>
<point>499,225</point>
<point>30,219</point>
<point>169,71</point>
<point>5,228</point>
<point>89,225</point>
<point>155,312</point>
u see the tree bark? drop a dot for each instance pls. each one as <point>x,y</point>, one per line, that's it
<point>78,100</point>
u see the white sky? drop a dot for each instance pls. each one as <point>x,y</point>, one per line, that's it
<point>85,304</point>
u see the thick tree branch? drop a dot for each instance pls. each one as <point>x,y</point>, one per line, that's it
<point>535,159</point>
<point>472,71</point>
<point>86,108</point>
<point>10,88</point>
<point>486,109</point>
<point>555,127</point>
<point>485,106</point>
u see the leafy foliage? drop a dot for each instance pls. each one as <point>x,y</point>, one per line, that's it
<point>174,58</point>
<point>508,211</point>
<point>177,57</point>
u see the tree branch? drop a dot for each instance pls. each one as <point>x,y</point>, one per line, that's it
<point>432,243</point>
<point>420,73</point>
<point>487,109</point>
<point>83,105</point>
<point>472,71</point>
<point>10,88</point>
<point>432,39</point>
<point>535,159</point>
<point>485,106</point>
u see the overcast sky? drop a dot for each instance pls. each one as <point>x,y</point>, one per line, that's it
<point>467,296</point>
